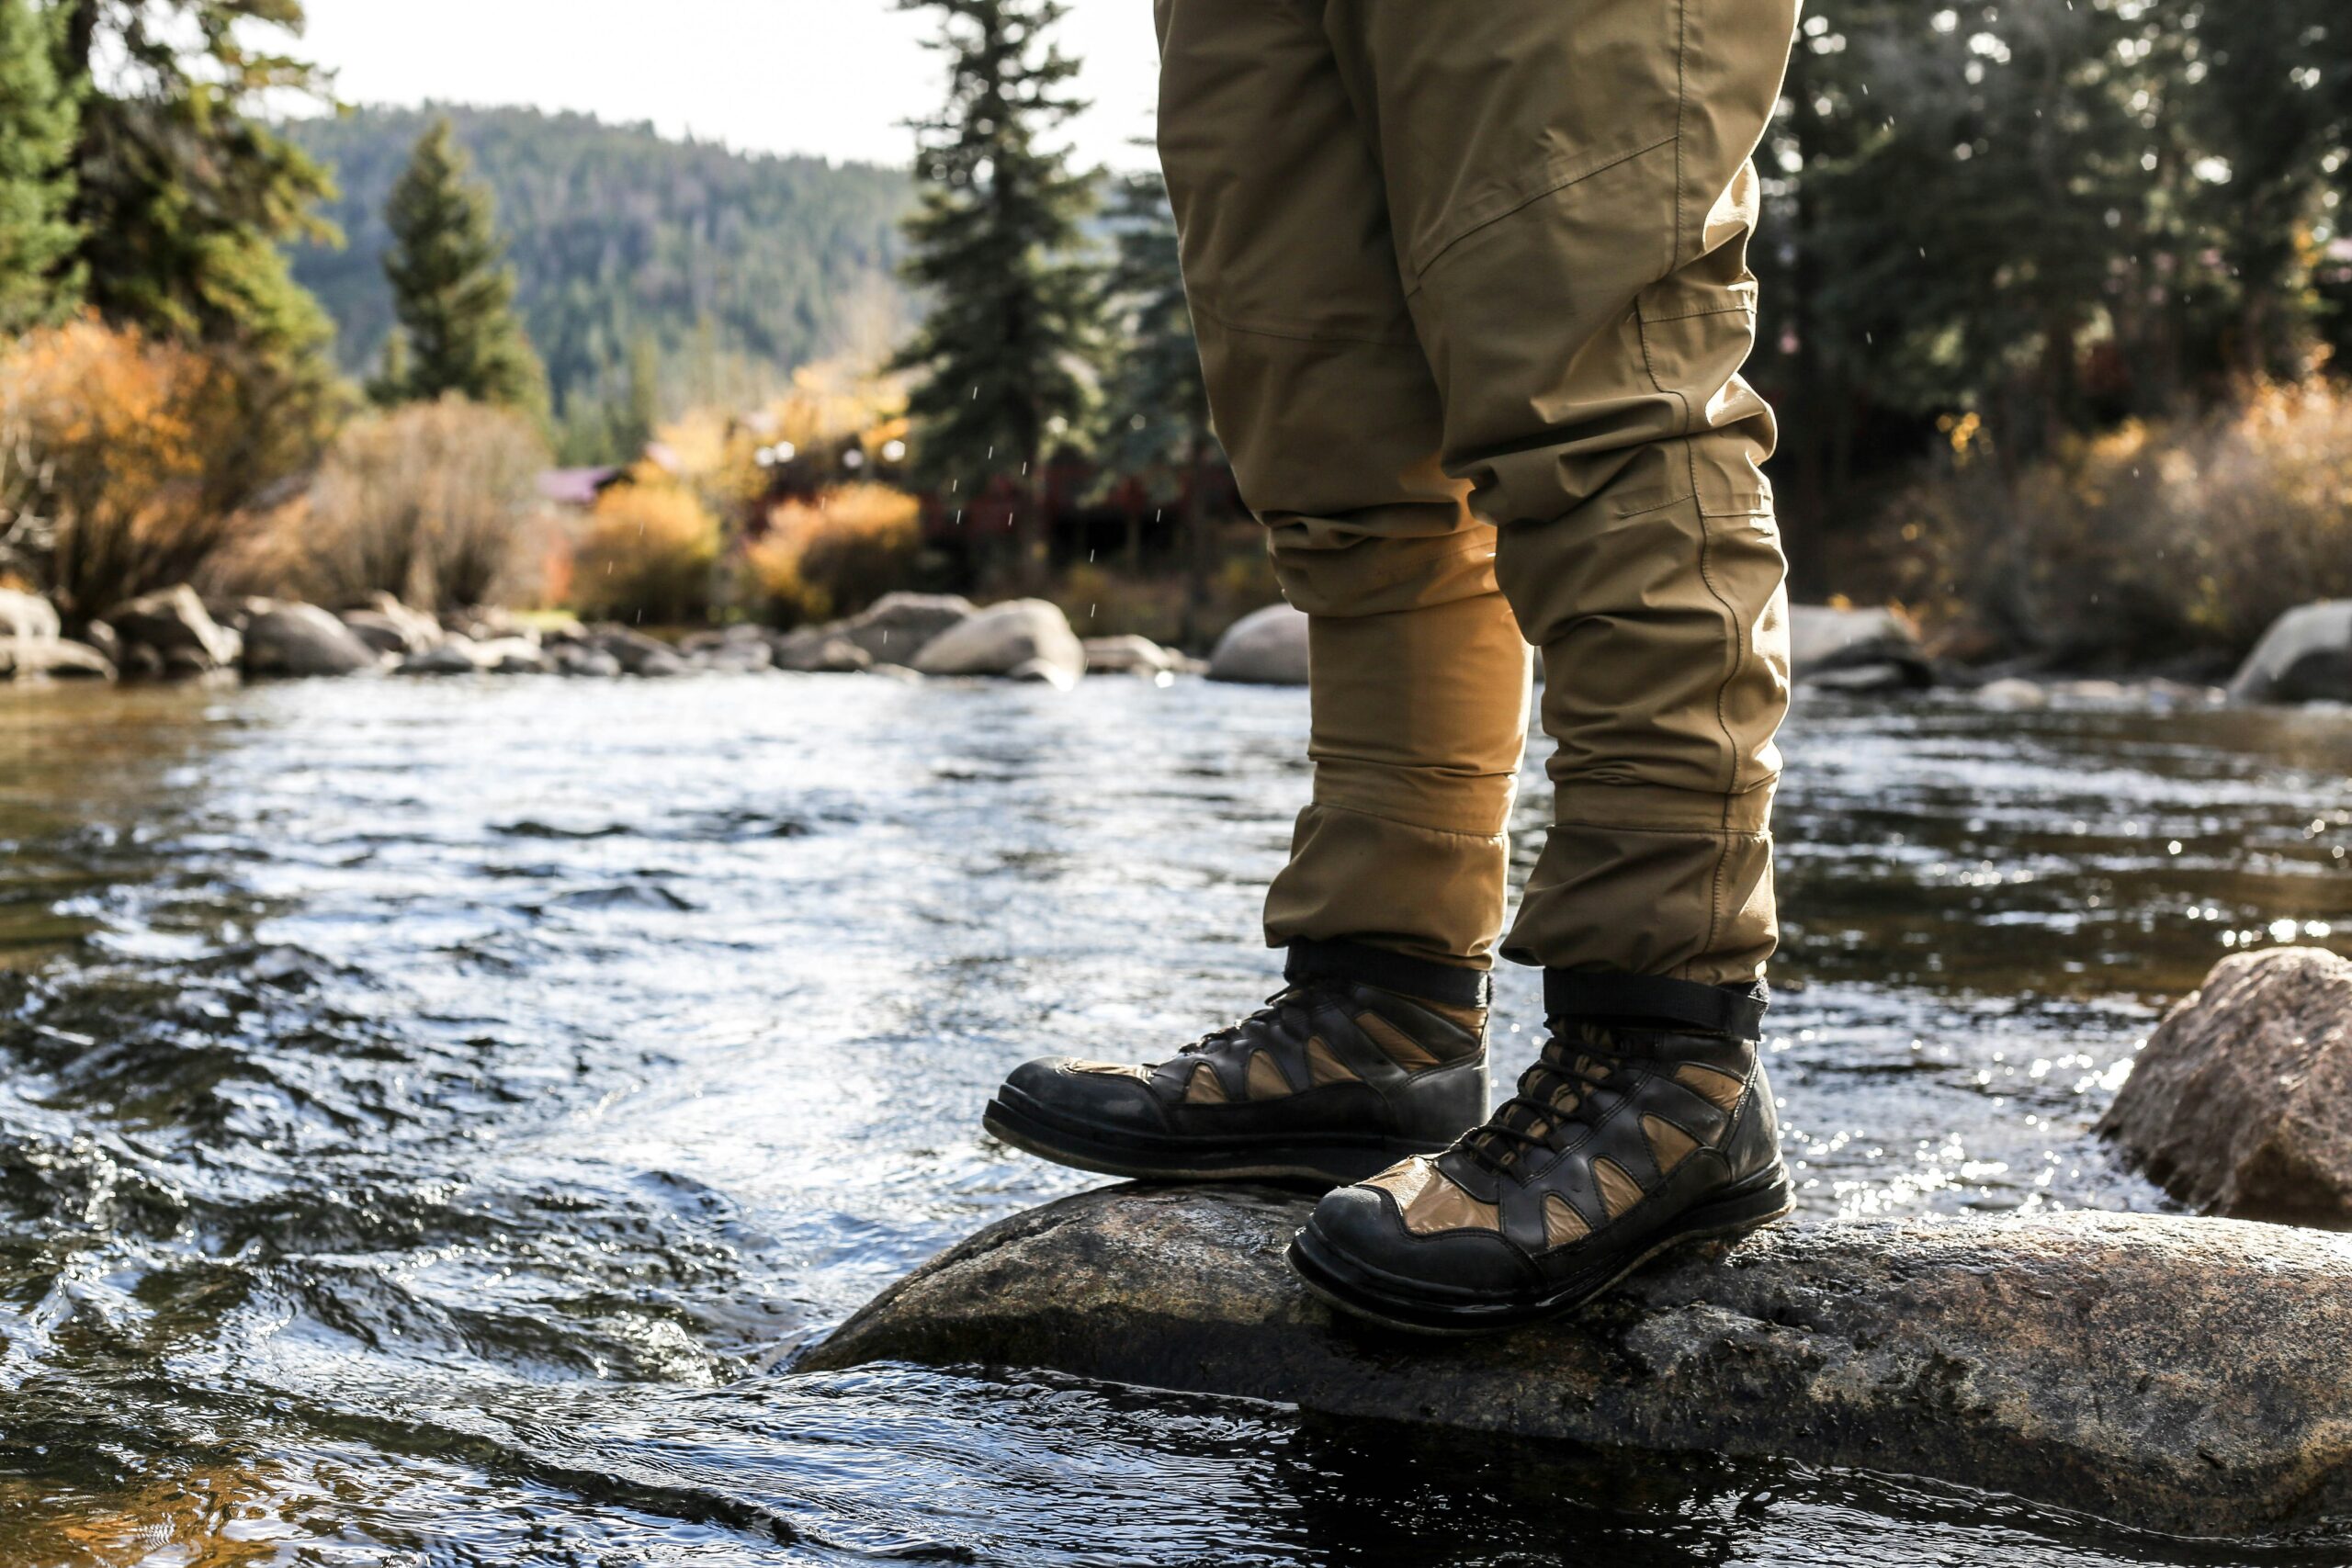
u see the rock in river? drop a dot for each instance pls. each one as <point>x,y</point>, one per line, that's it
<point>2305,656</point>
<point>1266,647</point>
<point>1017,636</point>
<point>2241,1102</point>
<point>174,630</point>
<point>302,639</point>
<point>2173,1374</point>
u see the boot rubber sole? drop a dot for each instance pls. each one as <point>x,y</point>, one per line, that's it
<point>1366,1292</point>
<point>1324,1159</point>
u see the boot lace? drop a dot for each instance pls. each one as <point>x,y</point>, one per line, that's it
<point>1284,1017</point>
<point>1552,1096</point>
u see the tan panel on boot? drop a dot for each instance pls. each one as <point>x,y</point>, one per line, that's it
<point>1205,1087</point>
<point>1562,1225</point>
<point>1431,1202</point>
<point>1117,1070</point>
<point>1323,1067</point>
<point>1394,1044</point>
<point>1668,1142</point>
<point>1720,1090</point>
<point>1266,1081</point>
<point>1619,1191</point>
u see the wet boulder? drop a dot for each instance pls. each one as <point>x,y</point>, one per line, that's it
<point>2305,656</point>
<point>897,627</point>
<point>636,653</point>
<point>1002,639</point>
<point>175,632</point>
<point>2173,1374</point>
<point>820,651</point>
<point>1835,648</point>
<point>27,617</point>
<point>2241,1102</point>
<point>54,659</point>
<point>742,649</point>
<point>1264,647</point>
<point>512,656</point>
<point>579,659</point>
<point>1130,655</point>
<point>386,625</point>
<point>301,639</point>
<point>452,655</point>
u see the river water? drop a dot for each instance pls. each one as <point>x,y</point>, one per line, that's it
<point>432,1116</point>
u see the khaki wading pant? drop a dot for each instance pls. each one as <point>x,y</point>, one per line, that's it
<point>1471,288</point>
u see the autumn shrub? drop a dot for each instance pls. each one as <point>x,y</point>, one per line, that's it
<point>834,555</point>
<point>436,504</point>
<point>125,463</point>
<point>2154,539</point>
<point>647,553</point>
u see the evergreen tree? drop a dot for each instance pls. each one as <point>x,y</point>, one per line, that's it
<point>1154,403</point>
<point>453,296</point>
<point>36,125</point>
<point>182,193</point>
<point>1013,310</point>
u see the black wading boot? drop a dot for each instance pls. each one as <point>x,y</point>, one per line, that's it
<point>1646,1123</point>
<point>1363,1058</point>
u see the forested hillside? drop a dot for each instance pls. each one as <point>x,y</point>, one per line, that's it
<point>731,267</point>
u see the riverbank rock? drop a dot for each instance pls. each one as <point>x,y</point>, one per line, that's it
<point>820,651</point>
<point>302,639</point>
<point>897,627</point>
<point>451,656</point>
<point>636,653</point>
<point>1264,647</point>
<point>2241,1102</point>
<point>386,625</point>
<point>2172,1373</point>
<point>742,647</point>
<point>1856,650</point>
<point>52,658</point>
<point>1130,655</point>
<point>169,631</point>
<point>1004,639</point>
<point>27,617</point>
<point>2305,656</point>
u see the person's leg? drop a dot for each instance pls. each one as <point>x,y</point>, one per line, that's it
<point>1573,197</point>
<point>1394,888</point>
<point>1323,398</point>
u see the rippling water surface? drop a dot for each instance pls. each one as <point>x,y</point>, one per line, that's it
<point>433,1115</point>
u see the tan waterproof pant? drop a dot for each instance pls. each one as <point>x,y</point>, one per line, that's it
<point>1470,286</point>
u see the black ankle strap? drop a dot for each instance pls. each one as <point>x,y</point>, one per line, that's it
<point>1733,1011</point>
<point>1362,965</point>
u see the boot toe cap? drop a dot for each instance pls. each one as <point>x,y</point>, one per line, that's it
<point>1362,1226</point>
<point>1117,1101</point>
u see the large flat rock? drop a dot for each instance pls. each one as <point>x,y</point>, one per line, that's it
<point>2182,1374</point>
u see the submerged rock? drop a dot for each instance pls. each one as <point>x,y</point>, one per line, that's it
<point>2241,1102</point>
<point>2173,1374</point>
<point>1264,647</point>
<point>1004,638</point>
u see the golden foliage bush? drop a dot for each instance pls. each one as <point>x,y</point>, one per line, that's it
<point>2154,539</point>
<point>436,504</point>
<point>125,463</point>
<point>834,555</point>
<point>646,554</point>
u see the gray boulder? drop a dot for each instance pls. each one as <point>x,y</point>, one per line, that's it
<point>52,658</point>
<point>27,617</point>
<point>175,629</point>
<point>453,656</point>
<point>1003,639</point>
<point>897,627</point>
<point>512,656</point>
<point>820,651</point>
<point>1826,640</point>
<point>301,639</point>
<point>580,659</point>
<point>1130,655</point>
<point>2305,656</point>
<point>2177,1374</point>
<point>1266,647</point>
<point>635,652</point>
<point>2241,1102</point>
<point>386,625</point>
<point>738,648</point>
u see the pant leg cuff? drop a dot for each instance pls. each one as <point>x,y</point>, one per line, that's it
<point>1337,959</point>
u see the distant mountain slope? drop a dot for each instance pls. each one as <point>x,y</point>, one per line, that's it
<point>737,268</point>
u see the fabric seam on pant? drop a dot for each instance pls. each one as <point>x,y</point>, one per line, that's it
<point>1515,203</point>
<point>1300,331</point>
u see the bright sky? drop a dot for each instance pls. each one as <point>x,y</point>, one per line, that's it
<point>835,77</point>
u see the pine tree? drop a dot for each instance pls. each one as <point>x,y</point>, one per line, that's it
<point>38,280</point>
<point>454,297</point>
<point>182,194</point>
<point>1155,400</point>
<point>1014,310</point>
